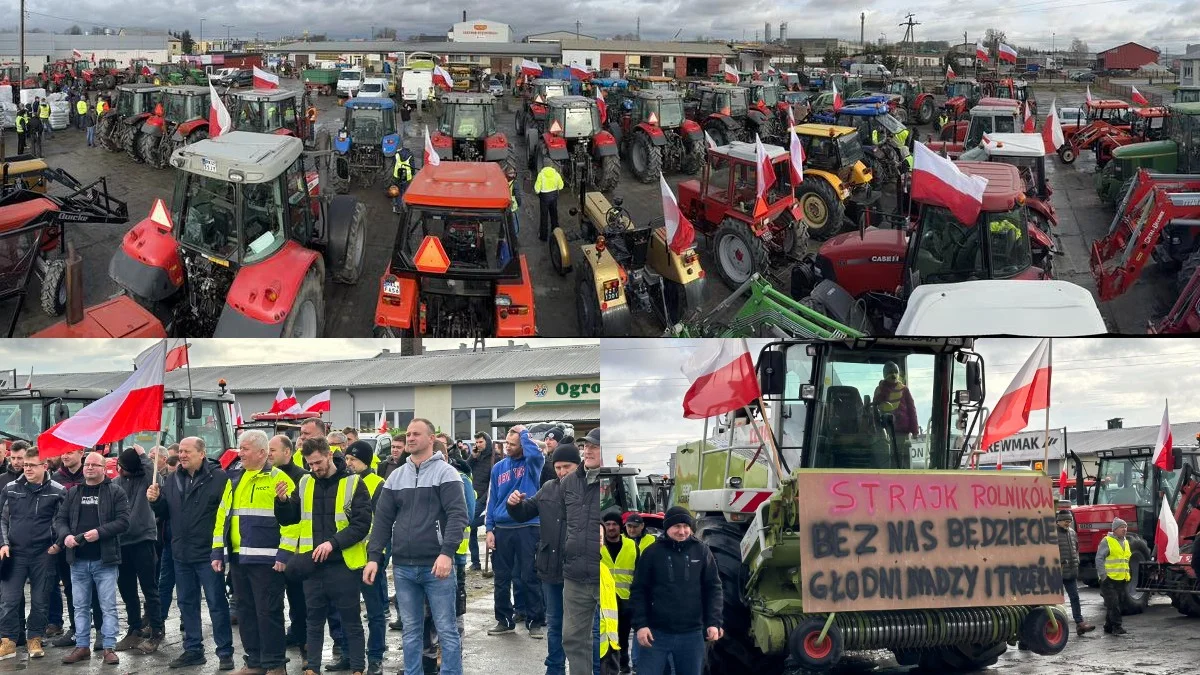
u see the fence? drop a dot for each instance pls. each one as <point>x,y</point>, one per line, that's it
<point>1126,92</point>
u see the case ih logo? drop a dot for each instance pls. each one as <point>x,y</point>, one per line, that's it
<point>539,390</point>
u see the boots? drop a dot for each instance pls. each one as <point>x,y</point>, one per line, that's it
<point>8,649</point>
<point>34,647</point>
<point>1083,627</point>
<point>132,639</point>
<point>151,643</point>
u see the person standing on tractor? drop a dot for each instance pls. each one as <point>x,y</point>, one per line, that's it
<point>676,598</point>
<point>620,554</point>
<point>515,206</point>
<point>1112,566</point>
<point>310,115</point>
<point>547,186</point>
<point>1068,553</point>
<point>893,397</point>
<point>515,542</point>
<point>402,175</point>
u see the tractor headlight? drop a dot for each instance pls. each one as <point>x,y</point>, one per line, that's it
<point>503,301</point>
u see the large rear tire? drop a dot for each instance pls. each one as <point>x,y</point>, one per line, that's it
<point>149,150</point>
<point>54,288</point>
<point>823,211</point>
<point>307,315</point>
<point>1136,601</point>
<point>739,253</point>
<point>133,146</point>
<point>610,173</point>
<point>587,304</point>
<point>925,112</point>
<point>644,158</point>
<point>1190,266</point>
<point>350,267</point>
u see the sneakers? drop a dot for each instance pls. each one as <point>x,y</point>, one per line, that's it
<point>67,639</point>
<point>1119,631</point>
<point>374,668</point>
<point>396,625</point>
<point>189,659</point>
<point>1083,627</point>
<point>519,618</point>
<point>34,647</point>
<point>8,649</point>
<point>78,654</point>
<point>341,664</point>
<point>132,639</point>
<point>500,629</point>
<point>247,670</point>
<point>225,662</point>
<point>475,567</point>
<point>111,658</point>
<point>537,632</point>
<point>53,630</point>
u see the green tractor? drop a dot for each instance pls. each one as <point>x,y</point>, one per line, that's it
<point>1177,153</point>
<point>815,562</point>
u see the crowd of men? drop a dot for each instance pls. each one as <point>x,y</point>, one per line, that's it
<point>33,120</point>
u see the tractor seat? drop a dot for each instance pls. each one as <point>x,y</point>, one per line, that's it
<point>843,410</point>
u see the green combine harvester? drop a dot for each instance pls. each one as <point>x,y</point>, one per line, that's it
<point>1178,153</point>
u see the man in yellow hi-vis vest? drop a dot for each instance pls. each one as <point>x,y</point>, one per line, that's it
<point>247,534</point>
<point>279,452</point>
<point>620,554</point>
<point>1112,567</point>
<point>609,622</point>
<point>358,460</point>
<point>547,186</point>
<point>331,510</point>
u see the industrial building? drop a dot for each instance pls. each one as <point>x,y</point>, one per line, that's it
<point>43,48</point>
<point>500,57</point>
<point>673,59</point>
<point>1129,56</point>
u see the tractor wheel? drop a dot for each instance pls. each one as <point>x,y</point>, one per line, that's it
<point>736,651</point>
<point>812,652</point>
<point>682,299</point>
<point>925,112</point>
<point>1041,636</point>
<point>109,81</point>
<point>147,147</point>
<point>901,114</point>
<point>1067,154</point>
<point>718,134</point>
<point>560,254</point>
<point>350,267</point>
<point>306,319</point>
<point>739,253</point>
<point>133,146</point>
<point>520,124</point>
<point>693,160</point>
<point>645,159</point>
<point>610,173</point>
<point>587,307</point>
<point>54,288</point>
<point>1190,266</point>
<point>822,211</point>
<point>1135,601</point>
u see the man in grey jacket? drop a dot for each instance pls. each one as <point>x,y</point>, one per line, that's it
<point>1112,568</point>
<point>429,492</point>
<point>1068,555</point>
<point>581,558</point>
<point>138,554</point>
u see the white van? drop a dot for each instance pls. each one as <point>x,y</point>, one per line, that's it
<point>374,87</point>
<point>349,80</point>
<point>415,82</point>
<point>870,70</point>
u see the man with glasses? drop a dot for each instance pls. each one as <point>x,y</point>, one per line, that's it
<point>89,525</point>
<point>581,558</point>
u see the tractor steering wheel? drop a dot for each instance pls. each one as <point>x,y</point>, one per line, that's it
<point>615,220</point>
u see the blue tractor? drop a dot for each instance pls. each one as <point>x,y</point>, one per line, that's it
<point>365,144</point>
<point>887,143</point>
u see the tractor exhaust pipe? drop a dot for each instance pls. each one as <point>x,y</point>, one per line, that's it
<point>74,282</point>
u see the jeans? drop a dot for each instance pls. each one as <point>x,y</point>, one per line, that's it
<point>514,565</point>
<point>260,591</point>
<point>581,610</point>
<point>556,660</point>
<point>137,567</point>
<point>1072,588</point>
<point>166,580</point>
<point>685,649</point>
<point>476,523</point>
<point>83,573</point>
<point>335,586</point>
<point>416,584</point>
<point>190,579</point>
<point>376,623</point>
<point>91,136</point>
<point>39,570</point>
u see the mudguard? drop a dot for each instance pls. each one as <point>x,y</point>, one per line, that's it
<point>398,304</point>
<point>390,144</point>
<point>1040,238</point>
<point>443,144</point>
<point>247,311</point>
<point>188,127</point>
<point>339,214</point>
<point>495,148</point>
<point>604,145</point>
<point>657,137</point>
<point>756,116</point>
<point>153,126</point>
<point>691,130</point>
<point>342,142</point>
<point>137,119</point>
<point>1042,208</point>
<point>730,123</point>
<point>147,264</point>
<point>520,292</point>
<point>556,147</point>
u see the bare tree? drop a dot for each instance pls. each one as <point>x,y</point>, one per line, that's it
<point>75,30</point>
<point>1079,47</point>
<point>384,34</point>
<point>994,35</point>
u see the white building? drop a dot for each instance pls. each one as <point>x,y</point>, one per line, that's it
<point>43,48</point>
<point>480,30</point>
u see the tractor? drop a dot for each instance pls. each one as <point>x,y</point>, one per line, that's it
<point>765,98</point>
<point>991,115</point>
<point>1187,94</point>
<point>913,98</point>
<point>1177,152</point>
<point>584,153</point>
<point>184,121</point>
<point>836,178</point>
<point>723,110</point>
<point>655,137</point>
<point>365,143</point>
<point>245,247</point>
<point>884,138</point>
<point>748,236</point>
<point>107,74</point>
<point>1148,124</point>
<point>659,82</point>
<point>1027,152</point>
<point>139,71</point>
<point>1103,113</point>
<point>456,269</point>
<point>466,129</point>
<point>962,94</point>
<point>871,265</point>
<point>766,528</point>
<point>532,113</point>
<point>626,268</point>
<point>277,111</point>
<point>120,124</point>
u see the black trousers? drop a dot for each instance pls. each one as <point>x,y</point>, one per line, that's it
<point>1112,592</point>
<point>21,143</point>
<point>624,621</point>
<point>260,614</point>
<point>297,631</point>
<point>333,585</point>
<point>38,570</point>
<point>549,216</point>
<point>138,567</point>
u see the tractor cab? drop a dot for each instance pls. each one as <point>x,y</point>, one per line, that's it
<point>532,114</point>
<point>266,111</point>
<point>1177,152</point>
<point>184,120</point>
<point>120,125</point>
<point>962,94</point>
<point>466,129</point>
<point>1113,111</point>
<point>25,413</point>
<point>1148,124</point>
<point>456,269</point>
<point>723,110</point>
<point>136,99</point>
<point>885,139</point>
<point>1027,152</point>
<point>836,176</point>
<point>574,140</point>
<point>367,139</point>
<point>1186,94</point>
<point>207,415</point>
<point>991,116</point>
<point>764,95</point>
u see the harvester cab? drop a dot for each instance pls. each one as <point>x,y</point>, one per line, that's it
<point>466,129</point>
<point>913,98</point>
<point>1177,152</point>
<point>184,121</point>
<point>244,247</point>
<point>723,110</point>
<point>654,135</point>
<point>365,143</point>
<point>532,114</point>
<point>835,177</point>
<point>884,138</point>
<point>277,111</point>
<point>585,154</point>
<point>121,123</point>
<point>456,270</point>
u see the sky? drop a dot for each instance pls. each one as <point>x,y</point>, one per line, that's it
<point>78,356</point>
<point>1093,380</point>
<point>1032,23</point>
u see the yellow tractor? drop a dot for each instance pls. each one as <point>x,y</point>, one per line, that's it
<point>626,267</point>
<point>834,177</point>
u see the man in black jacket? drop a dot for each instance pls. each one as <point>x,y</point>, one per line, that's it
<point>676,598</point>
<point>547,506</point>
<point>189,500</point>
<point>138,554</point>
<point>337,560</point>
<point>281,450</point>
<point>581,557</point>
<point>89,527</point>
<point>14,464</point>
<point>480,461</point>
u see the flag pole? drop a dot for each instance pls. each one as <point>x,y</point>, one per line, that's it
<point>1046,438</point>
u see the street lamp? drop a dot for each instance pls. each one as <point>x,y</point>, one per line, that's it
<point>227,26</point>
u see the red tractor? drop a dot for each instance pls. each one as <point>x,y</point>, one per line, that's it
<point>456,269</point>
<point>82,70</point>
<point>277,111</point>
<point>765,98</point>
<point>466,129</point>
<point>1148,124</point>
<point>184,120</point>
<point>1113,112</point>
<point>243,251</point>
<point>534,95</point>
<point>962,94</point>
<point>108,75</point>
<point>913,98</point>
<point>584,153</point>
<point>654,136</point>
<point>724,111</point>
<point>990,116</point>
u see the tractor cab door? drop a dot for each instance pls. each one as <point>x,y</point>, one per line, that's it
<point>303,210</point>
<point>708,103</point>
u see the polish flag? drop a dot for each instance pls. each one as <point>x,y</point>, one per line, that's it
<point>1007,53</point>
<point>530,68</point>
<point>177,353</point>
<point>950,72</point>
<point>722,376</point>
<point>1029,391</point>
<point>440,76</point>
<point>1166,538</point>
<point>29,382</point>
<point>837,98</point>
<point>601,104</point>
<point>318,404</point>
<point>294,408</point>
<point>133,407</point>
<point>680,235</point>
<point>383,426</point>
<point>765,177</point>
<point>1163,446</point>
<point>731,74</point>
<point>791,117</point>
<point>238,419</point>
<point>1030,123</point>
<point>1052,133</point>
<point>1062,483</point>
<point>219,120</point>
<point>980,52</point>
<point>796,149</point>
<point>431,155</point>
<point>282,402</point>
<point>1137,97</point>
<point>936,180</point>
<point>76,54</point>
<point>265,80</point>
<point>580,72</point>
<point>1088,95</point>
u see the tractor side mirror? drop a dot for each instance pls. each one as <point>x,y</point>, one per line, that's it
<point>193,409</point>
<point>61,413</point>
<point>975,380</point>
<point>772,373</point>
<point>1178,457</point>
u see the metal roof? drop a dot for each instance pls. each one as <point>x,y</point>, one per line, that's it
<point>575,411</point>
<point>1090,442</point>
<point>529,49</point>
<point>261,157</point>
<point>746,151</point>
<point>1015,145</point>
<point>382,371</point>
<point>456,97</point>
<point>648,47</point>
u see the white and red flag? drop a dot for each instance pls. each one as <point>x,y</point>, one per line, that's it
<point>950,75</point>
<point>796,150</point>
<point>238,419</point>
<point>530,68</point>
<point>1030,123</point>
<point>219,120</point>
<point>1137,96</point>
<point>731,74</point>
<point>680,234</point>
<point>1052,133</point>
<point>442,77</point>
<point>265,80</point>
<point>936,180</point>
<point>177,353</point>
<point>580,72</point>
<point>294,408</point>
<point>282,402</point>
<point>76,54</point>
<point>765,177</point>
<point>1164,446</point>
<point>1007,53</point>
<point>722,376</point>
<point>383,426</point>
<point>980,52</point>
<point>317,404</point>
<point>133,407</point>
<point>837,98</point>
<point>1088,95</point>
<point>1028,391</point>
<point>602,105</point>
<point>1166,536</point>
<point>431,156</point>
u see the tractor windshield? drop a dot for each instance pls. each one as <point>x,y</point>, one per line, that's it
<point>989,124</point>
<point>618,492</point>
<point>370,125</point>
<point>767,94</point>
<point>474,241</point>
<point>576,122</point>
<point>468,120</point>
<point>890,123</point>
<point>1127,480</point>
<point>1147,126</point>
<point>949,251</point>
<point>178,108</point>
<point>265,116</point>
<point>548,90</point>
<point>669,113</point>
<point>849,150</point>
<point>735,100</point>
<point>210,210</point>
<point>125,103</point>
<point>26,418</point>
<point>900,87</point>
<point>213,426</point>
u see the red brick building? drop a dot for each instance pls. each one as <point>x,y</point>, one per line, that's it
<point>1129,56</point>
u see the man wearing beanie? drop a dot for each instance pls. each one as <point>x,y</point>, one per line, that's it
<point>676,598</point>
<point>554,438</point>
<point>547,506</point>
<point>1068,555</point>
<point>1112,567</point>
<point>137,567</point>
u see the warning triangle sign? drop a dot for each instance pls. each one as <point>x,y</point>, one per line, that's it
<point>431,257</point>
<point>160,215</point>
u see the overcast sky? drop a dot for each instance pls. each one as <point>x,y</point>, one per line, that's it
<point>1102,23</point>
<point>1093,380</point>
<point>76,356</point>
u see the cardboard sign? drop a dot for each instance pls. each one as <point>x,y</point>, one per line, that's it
<point>874,540</point>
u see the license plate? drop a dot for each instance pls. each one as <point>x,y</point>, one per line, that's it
<point>391,287</point>
<point>611,294</point>
<point>208,164</point>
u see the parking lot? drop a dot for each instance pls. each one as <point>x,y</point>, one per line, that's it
<point>349,309</point>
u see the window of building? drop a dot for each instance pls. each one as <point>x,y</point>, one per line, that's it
<point>470,421</point>
<point>587,62</point>
<point>1187,70</point>
<point>369,420</point>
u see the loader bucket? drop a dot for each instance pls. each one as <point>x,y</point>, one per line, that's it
<point>767,308</point>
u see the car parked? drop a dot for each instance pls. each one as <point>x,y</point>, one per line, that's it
<point>1084,77</point>
<point>241,78</point>
<point>495,87</point>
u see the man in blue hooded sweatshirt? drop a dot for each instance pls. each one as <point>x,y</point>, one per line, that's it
<point>515,543</point>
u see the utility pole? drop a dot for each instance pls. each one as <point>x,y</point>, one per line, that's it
<point>22,40</point>
<point>639,29</point>
<point>910,36</point>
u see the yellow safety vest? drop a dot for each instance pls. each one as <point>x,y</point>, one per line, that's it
<point>893,400</point>
<point>21,123</point>
<point>1002,226</point>
<point>101,107</point>
<point>44,111</point>
<point>622,568</point>
<point>943,121</point>
<point>402,165</point>
<point>1116,565</point>
<point>548,180</point>
<point>512,194</point>
<point>247,512</point>
<point>608,612</point>
<point>81,107</point>
<point>354,556</point>
<point>372,480</point>
<point>644,543</point>
<point>464,547</point>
